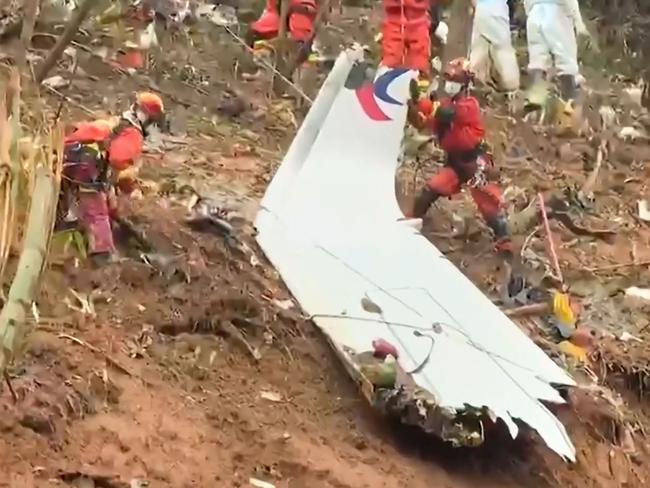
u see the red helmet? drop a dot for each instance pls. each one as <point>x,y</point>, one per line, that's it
<point>151,104</point>
<point>458,70</point>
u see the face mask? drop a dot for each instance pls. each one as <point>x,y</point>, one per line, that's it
<point>452,88</point>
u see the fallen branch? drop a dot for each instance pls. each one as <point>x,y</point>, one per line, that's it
<point>611,267</point>
<point>232,331</point>
<point>111,361</point>
<point>66,98</point>
<point>526,310</point>
<point>587,190</point>
<point>68,34</point>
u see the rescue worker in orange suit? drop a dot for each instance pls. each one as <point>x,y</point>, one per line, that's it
<point>457,124</point>
<point>406,41</point>
<point>300,24</point>
<point>100,153</point>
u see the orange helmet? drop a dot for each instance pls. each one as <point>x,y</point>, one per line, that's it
<point>458,70</point>
<point>151,104</point>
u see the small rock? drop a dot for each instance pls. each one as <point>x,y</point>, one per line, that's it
<point>566,153</point>
<point>38,422</point>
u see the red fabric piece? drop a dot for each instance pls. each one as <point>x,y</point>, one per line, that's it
<point>94,217</point>
<point>466,131</point>
<point>395,6</point>
<point>124,149</point>
<point>132,58</point>
<point>383,348</point>
<point>406,41</point>
<point>488,198</point>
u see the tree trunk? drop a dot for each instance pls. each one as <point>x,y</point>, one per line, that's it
<point>71,29</point>
<point>30,8</point>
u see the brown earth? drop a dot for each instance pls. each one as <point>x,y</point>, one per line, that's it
<point>188,373</point>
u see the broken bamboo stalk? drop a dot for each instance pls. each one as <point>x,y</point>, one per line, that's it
<point>13,318</point>
<point>10,167</point>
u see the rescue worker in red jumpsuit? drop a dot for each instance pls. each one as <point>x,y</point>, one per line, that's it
<point>456,121</point>
<point>406,41</point>
<point>300,24</point>
<point>97,154</point>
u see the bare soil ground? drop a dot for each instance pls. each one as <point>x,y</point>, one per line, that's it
<point>188,373</point>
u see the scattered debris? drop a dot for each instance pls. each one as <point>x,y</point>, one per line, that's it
<point>643,210</point>
<point>626,337</point>
<point>527,310</point>
<point>271,396</point>
<point>56,82</point>
<point>284,304</point>
<point>260,484</point>
<point>639,297</point>
<point>630,134</point>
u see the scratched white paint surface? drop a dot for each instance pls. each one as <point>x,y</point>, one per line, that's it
<point>329,224</point>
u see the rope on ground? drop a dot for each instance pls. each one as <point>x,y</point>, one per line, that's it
<point>269,66</point>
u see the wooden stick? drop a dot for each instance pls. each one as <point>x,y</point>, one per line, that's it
<point>549,237</point>
<point>113,362</point>
<point>525,310</point>
<point>11,388</point>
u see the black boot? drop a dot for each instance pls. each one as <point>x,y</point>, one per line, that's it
<point>499,226</point>
<point>423,201</point>
<point>504,247</point>
<point>568,87</point>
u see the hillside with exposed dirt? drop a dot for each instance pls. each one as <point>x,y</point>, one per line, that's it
<point>187,364</point>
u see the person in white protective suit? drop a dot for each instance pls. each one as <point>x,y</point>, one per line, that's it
<point>551,30</point>
<point>491,51</point>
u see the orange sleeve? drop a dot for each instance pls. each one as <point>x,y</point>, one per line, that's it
<point>125,148</point>
<point>88,132</point>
